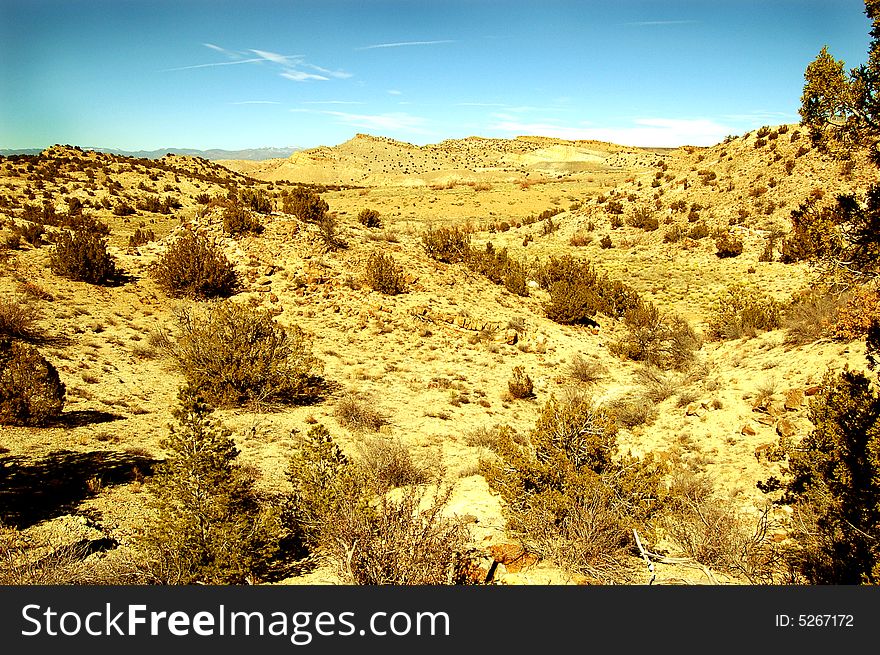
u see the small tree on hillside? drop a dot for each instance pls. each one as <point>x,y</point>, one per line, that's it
<point>210,526</point>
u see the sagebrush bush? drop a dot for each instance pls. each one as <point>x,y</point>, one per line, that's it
<point>384,275</point>
<point>195,267</point>
<point>643,218</point>
<point>370,218</point>
<point>740,311</point>
<point>446,244</point>
<point>82,255</point>
<point>210,526</point>
<point>664,341</point>
<point>31,392</point>
<point>388,463</point>
<point>577,293</point>
<point>520,384</point>
<point>306,205</point>
<point>858,310</point>
<point>499,267</point>
<point>234,355</point>
<point>728,245</point>
<point>237,219</point>
<point>141,237</point>
<point>569,483</point>
<point>256,200</point>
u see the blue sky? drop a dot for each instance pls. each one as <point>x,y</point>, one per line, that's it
<point>133,74</point>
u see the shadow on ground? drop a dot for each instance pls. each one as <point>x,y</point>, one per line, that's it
<point>36,489</point>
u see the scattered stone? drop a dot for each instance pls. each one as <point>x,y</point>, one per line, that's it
<point>785,428</point>
<point>748,431</point>
<point>513,557</point>
<point>812,391</point>
<point>794,399</point>
<point>511,337</point>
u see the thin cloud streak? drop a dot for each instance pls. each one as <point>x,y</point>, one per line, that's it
<point>291,65</point>
<point>396,121</point>
<point>650,23</point>
<point>405,44</point>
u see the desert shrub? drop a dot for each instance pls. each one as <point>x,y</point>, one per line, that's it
<point>141,237</point>
<point>356,413</point>
<point>328,229</point>
<point>605,242</point>
<point>577,292</point>
<point>203,199</point>
<point>370,218</point>
<point>740,311</point>
<point>30,232</point>
<point>383,275</point>
<point>520,384</point>
<point>237,219</point>
<point>17,321</point>
<point>632,410</point>
<point>446,244</point>
<point>834,483</point>
<point>811,315</point>
<point>31,392</point>
<point>195,267</point>
<point>699,231</point>
<point>716,533</point>
<point>674,234</point>
<point>233,355</point>
<point>499,267</point>
<point>370,536</point>
<point>614,207</point>
<point>122,208</point>
<point>210,526</point>
<point>82,256</point>
<point>256,200</point>
<point>664,341</point>
<point>858,310</point>
<point>305,205</point>
<point>567,492</point>
<point>643,218</point>
<point>580,239</point>
<point>728,245</point>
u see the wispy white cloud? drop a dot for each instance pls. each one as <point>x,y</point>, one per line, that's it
<point>292,67</point>
<point>332,102</point>
<point>394,92</point>
<point>388,122</point>
<point>405,44</point>
<point>652,23</point>
<point>647,132</point>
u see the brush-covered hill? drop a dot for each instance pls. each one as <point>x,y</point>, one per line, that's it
<point>436,360</point>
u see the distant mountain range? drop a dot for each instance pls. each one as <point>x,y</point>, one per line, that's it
<point>251,154</point>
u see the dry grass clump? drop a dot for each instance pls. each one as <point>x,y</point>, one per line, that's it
<point>388,463</point>
<point>384,275</point>
<point>356,413</point>
<point>195,267</point>
<point>235,355</point>
<point>811,315</point>
<point>586,372</point>
<point>728,245</point>
<point>31,392</point>
<point>17,321</point>
<point>741,311</point>
<point>632,410</point>
<point>25,561</point>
